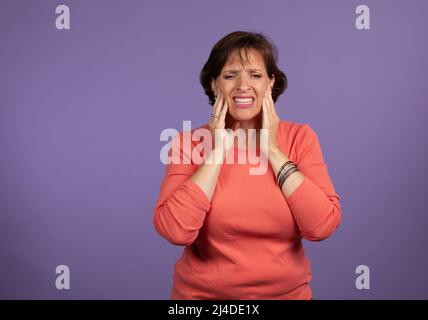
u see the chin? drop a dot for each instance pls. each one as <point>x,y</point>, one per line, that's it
<point>242,114</point>
<point>243,118</point>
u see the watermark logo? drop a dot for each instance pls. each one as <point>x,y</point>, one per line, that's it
<point>362,22</point>
<point>62,22</point>
<point>363,280</point>
<point>179,150</point>
<point>62,282</point>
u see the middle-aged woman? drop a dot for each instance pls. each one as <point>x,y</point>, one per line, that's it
<point>243,232</point>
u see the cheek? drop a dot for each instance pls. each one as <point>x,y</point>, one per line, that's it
<point>260,97</point>
<point>225,86</point>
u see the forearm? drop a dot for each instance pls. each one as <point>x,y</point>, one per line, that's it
<point>277,158</point>
<point>316,214</point>
<point>207,174</point>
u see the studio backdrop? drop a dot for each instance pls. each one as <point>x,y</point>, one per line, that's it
<point>87,87</point>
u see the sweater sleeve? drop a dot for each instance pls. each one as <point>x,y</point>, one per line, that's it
<point>182,205</point>
<point>314,204</point>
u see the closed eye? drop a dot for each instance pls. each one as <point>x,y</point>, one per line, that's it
<point>257,76</point>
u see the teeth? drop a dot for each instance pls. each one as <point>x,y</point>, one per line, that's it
<point>246,100</point>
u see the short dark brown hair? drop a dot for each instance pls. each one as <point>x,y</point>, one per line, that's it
<point>242,40</point>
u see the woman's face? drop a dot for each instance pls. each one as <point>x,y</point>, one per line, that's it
<point>243,84</point>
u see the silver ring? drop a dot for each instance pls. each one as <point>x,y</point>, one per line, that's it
<point>214,116</point>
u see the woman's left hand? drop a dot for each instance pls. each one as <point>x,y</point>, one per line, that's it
<point>270,122</point>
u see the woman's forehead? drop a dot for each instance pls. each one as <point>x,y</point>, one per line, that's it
<point>248,57</point>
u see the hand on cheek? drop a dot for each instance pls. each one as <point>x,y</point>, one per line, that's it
<point>270,120</point>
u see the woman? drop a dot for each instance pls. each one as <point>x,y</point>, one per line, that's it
<point>243,232</point>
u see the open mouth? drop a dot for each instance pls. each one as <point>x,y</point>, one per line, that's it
<point>243,102</point>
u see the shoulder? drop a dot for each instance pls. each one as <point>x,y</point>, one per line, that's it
<point>296,131</point>
<point>296,139</point>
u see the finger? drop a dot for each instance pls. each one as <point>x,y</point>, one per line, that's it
<point>224,111</point>
<point>265,114</point>
<point>274,113</point>
<point>268,106</point>
<point>218,104</point>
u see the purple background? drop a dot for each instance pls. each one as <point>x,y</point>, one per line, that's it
<point>81,112</point>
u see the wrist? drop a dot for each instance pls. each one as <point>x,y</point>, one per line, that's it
<point>274,152</point>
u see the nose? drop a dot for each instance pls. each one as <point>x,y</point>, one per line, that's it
<point>243,84</point>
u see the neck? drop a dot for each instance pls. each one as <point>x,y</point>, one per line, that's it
<point>254,123</point>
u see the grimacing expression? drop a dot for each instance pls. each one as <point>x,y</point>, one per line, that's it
<point>243,84</point>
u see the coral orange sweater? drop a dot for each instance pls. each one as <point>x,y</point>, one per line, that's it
<point>247,242</point>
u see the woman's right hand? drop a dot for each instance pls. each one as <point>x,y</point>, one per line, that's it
<point>222,138</point>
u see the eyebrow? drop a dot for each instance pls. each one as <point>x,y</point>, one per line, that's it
<point>238,71</point>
